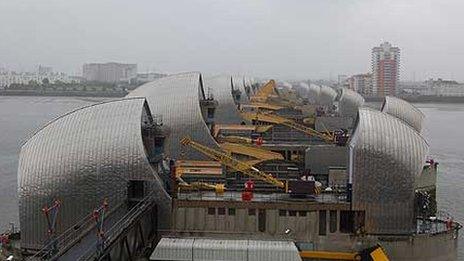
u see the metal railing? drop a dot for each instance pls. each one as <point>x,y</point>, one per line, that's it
<point>261,197</point>
<point>57,246</point>
<point>119,227</point>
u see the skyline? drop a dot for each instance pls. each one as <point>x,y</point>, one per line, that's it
<point>285,40</point>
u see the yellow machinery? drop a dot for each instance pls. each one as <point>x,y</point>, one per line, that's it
<point>275,119</point>
<point>293,187</point>
<point>233,163</point>
<point>261,105</point>
<point>235,139</point>
<point>268,98</point>
<point>264,92</point>
<point>254,152</point>
<point>218,188</point>
<point>371,254</point>
<point>195,167</point>
<point>218,128</point>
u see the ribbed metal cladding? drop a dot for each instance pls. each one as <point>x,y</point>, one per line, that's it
<point>327,95</point>
<point>176,98</point>
<point>302,89</point>
<point>238,84</point>
<point>349,103</point>
<point>221,88</point>
<point>313,93</point>
<point>224,249</point>
<point>405,111</point>
<point>80,159</point>
<point>386,156</point>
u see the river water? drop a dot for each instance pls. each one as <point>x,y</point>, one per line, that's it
<point>20,117</point>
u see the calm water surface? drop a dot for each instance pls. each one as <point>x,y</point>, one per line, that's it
<point>20,117</point>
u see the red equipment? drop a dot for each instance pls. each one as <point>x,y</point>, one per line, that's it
<point>247,195</point>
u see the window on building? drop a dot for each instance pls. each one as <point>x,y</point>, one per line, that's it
<point>262,220</point>
<point>251,212</point>
<point>333,221</point>
<point>221,211</point>
<point>282,212</point>
<point>292,213</point>
<point>322,223</point>
<point>211,211</point>
<point>346,222</point>
<point>302,213</point>
<point>231,211</point>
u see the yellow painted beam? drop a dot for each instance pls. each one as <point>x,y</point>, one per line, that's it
<point>328,255</point>
<point>255,152</point>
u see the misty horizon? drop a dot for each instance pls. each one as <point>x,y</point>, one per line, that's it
<point>279,39</point>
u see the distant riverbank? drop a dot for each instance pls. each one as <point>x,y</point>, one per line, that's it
<point>423,99</point>
<point>63,93</point>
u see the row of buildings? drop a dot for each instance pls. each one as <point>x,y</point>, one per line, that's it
<point>91,72</point>
<point>432,87</point>
<point>43,73</point>
<point>383,79</point>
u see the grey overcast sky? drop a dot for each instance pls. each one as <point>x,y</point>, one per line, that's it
<point>282,39</point>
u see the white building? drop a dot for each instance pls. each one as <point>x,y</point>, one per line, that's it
<point>361,83</point>
<point>442,87</point>
<point>385,69</point>
<point>10,77</point>
<point>109,72</point>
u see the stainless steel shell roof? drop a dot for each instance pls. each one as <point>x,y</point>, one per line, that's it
<point>176,98</point>
<point>221,88</point>
<point>313,93</point>
<point>302,89</point>
<point>238,84</point>
<point>349,102</point>
<point>386,156</point>
<point>404,110</point>
<point>80,159</point>
<point>327,95</point>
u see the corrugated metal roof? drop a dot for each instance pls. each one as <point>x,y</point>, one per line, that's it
<point>176,98</point>
<point>349,103</point>
<point>224,249</point>
<point>214,249</point>
<point>81,158</point>
<point>405,111</point>
<point>221,88</point>
<point>174,249</point>
<point>327,95</point>
<point>386,156</point>
<point>272,250</point>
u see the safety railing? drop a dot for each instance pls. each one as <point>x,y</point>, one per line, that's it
<point>260,197</point>
<point>57,246</point>
<point>119,227</point>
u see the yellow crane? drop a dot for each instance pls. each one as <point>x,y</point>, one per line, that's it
<point>218,188</point>
<point>250,151</point>
<point>275,119</point>
<point>264,92</point>
<point>235,139</point>
<point>296,188</point>
<point>233,163</point>
<point>261,105</point>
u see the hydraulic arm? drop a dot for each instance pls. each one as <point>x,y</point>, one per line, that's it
<point>275,119</point>
<point>233,163</point>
